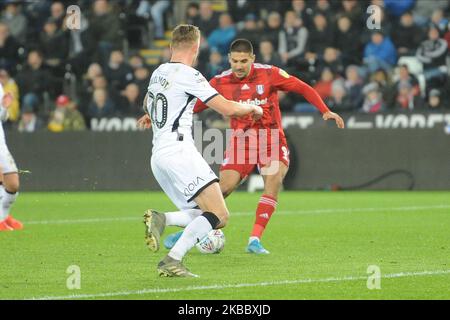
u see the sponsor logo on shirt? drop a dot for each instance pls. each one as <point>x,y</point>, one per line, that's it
<point>256,101</point>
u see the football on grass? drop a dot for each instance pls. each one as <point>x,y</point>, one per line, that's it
<point>213,242</point>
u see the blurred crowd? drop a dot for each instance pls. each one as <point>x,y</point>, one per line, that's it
<point>389,57</point>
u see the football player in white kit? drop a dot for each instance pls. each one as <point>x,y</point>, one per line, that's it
<point>9,176</point>
<point>177,165</point>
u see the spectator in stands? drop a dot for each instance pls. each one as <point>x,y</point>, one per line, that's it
<point>215,65</point>
<point>407,35</point>
<point>435,101</point>
<point>156,11</point>
<point>405,76</point>
<point>339,100</point>
<point>423,9</point>
<point>432,53</point>
<point>272,29</point>
<point>203,56</point>
<point>250,31</point>
<point>221,38</point>
<point>136,61</point>
<point>346,39</point>
<point>81,46</point>
<point>323,86</point>
<point>117,71</point>
<point>58,13</point>
<point>54,45</point>
<point>353,11</point>
<point>240,9</point>
<point>141,77</point>
<point>34,80</point>
<point>323,8</point>
<point>101,105</point>
<point>381,22</point>
<point>29,121</point>
<point>130,104</point>
<point>384,81</point>
<point>66,117</point>
<point>267,54</point>
<point>192,13</point>
<point>379,53</point>
<point>208,20</point>
<point>406,100</point>
<point>439,20</point>
<point>9,56</point>
<point>353,85</point>
<point>292,39</point>
<point>373,101</point>
<point>105,28</point>
<point>10,86</point>
<point>320,37</point>
<point>330,60</point>
<point>279,6</point>
<point>303,12</point>
<point>16,21</point>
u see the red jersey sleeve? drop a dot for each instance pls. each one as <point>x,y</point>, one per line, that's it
<point>285,82</point>
<point>199,105</point>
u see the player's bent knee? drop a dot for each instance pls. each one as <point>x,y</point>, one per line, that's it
<point>11,184</point>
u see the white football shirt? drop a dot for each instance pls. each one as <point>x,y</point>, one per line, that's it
<point>172,93</point>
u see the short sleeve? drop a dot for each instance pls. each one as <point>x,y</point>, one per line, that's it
<point>196,85</point>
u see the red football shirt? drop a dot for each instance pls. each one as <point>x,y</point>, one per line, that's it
<point>261,87</point>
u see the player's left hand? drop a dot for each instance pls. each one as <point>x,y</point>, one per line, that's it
<point>144,122</point>
<point>331,115</point>
<point>7,100</point>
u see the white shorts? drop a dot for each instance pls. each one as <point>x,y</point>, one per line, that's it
<point>182,173</point>
<point>7,163</point>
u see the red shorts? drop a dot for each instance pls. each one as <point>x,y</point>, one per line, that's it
<point>243,155</point>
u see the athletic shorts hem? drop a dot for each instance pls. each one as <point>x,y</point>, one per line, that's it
<point>202,188</point>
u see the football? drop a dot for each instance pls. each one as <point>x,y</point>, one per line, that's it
<point>213,242</point>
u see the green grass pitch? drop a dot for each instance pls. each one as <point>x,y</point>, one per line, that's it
<point>321,247</point>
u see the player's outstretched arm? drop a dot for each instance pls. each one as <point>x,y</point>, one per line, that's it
<point>334,116</point>
<point>230,108</point>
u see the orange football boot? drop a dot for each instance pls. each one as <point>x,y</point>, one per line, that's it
<point>13,223</point>
<point>5,227</point>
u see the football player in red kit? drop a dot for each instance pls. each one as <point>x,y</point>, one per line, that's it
<point>262,143</point>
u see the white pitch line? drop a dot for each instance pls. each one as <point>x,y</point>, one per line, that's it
<point>248,213</point>
<point>237,285</point>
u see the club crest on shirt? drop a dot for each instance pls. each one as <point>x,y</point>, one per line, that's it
<point>260,89</point>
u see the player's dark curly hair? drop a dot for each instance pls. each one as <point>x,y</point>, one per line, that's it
<point>241,45</point>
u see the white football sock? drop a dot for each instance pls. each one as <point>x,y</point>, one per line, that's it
<point>182,218</point>
<point>7,201</point>
<point>194,232</point>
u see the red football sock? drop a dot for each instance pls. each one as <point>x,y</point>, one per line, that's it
<point>266,207</point>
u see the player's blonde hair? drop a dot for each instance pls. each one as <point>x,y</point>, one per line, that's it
<point>184,35</point>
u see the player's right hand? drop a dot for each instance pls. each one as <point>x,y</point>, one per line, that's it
<point>257,113</point>
<point>144,122</point>
<point>7,100</point>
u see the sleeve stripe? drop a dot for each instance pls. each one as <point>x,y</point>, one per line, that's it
<point>206,101</point>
